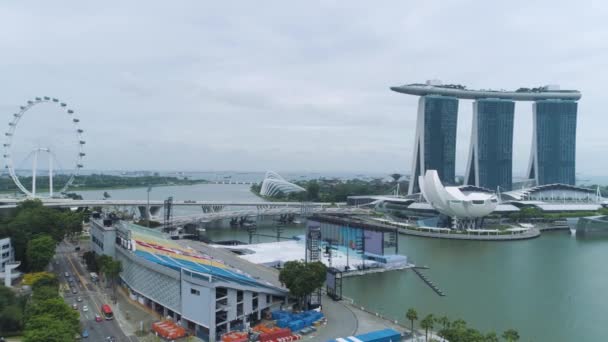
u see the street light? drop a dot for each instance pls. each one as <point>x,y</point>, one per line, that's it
<point>148,207</point>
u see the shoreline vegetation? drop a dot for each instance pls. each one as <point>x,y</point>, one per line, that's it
<point>334,190</point>
<point>96,182</point>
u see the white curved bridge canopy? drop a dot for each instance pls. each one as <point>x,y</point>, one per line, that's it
<point>274,184</point>
<point>453,202</point>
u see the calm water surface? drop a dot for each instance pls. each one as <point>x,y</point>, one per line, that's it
<point>550,289</point>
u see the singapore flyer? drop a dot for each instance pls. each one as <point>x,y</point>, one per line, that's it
<point>49,143</point>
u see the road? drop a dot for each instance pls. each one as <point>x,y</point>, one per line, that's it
<point>67,260</point>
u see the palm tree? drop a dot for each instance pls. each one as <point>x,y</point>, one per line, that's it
<point>511,335</point>
<point>491,337</point>
<point>444,321</point>
<point>412,316</point>
<point>427,324</point>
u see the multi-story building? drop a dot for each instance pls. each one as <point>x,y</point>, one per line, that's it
<point>490,156</point>
<point>200,292</point>
<point>103,236</point>
<point>435,144</point>
<point>554,142</point>
<point>490,163</point>
<point>7,253</point>
<point>7,262</point>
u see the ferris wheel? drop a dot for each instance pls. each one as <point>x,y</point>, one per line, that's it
<point>76,163</point>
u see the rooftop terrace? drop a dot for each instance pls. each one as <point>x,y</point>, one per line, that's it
<point>461,92</point>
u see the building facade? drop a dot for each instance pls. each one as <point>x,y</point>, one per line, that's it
<point>553,154</point>
<point>7,253</point>
<point>435,142</point>
<point>103,235</point>
<point>7,262</point>
<point>199,292</point>
<point>490,163</point>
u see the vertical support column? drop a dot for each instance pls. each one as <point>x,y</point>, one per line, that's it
<point>50,174</point>
<point>34,167</point>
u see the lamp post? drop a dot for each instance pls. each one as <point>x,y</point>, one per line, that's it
<point>148,207</point>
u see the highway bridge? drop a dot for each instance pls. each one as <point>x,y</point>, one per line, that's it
<point>211,210</point>
<point>214,216</point>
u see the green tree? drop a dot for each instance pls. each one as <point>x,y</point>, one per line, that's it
<point>90,260</point>
<point>112,270</point>
<point>444,321</point>
<point>427,324</point>
<point>55,308</point>
<point>11,318</point>
<point>45,292</point>
<point>302,279</point>
<point>11,310</point>
<point>412,316</point>
<point>40,251</point>
<point>31,219</point>
<point>312,190</point>
<point>511,335</point>
<point>47,328</point>
<point>491,337</point>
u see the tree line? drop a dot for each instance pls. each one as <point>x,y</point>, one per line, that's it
<point>35,231</point>
<point>42,316</point>
<point>457,330</point>
<point>96,181</point>
<point>335,190</point>
<point>103,264</point>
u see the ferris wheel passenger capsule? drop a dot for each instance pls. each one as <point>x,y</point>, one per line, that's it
<point>46,98</point>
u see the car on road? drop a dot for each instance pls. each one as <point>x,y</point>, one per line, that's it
<point>85,308</point>
<point>79,299</point>
<point>110,339</point>
<point>75,306</point>
<point>98,318</point>
<point>67,275</point>
<point>74,291</point>
<point>85,333</point>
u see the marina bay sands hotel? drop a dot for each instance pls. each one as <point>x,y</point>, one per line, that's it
<point>490,161</point>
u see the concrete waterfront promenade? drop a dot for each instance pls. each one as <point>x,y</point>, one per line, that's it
<point>529,234</point>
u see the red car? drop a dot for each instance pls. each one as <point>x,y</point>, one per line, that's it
<point>98,318</point>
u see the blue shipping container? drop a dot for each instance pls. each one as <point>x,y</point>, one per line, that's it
<point>385,335</point>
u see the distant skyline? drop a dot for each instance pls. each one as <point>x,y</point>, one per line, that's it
<point>288,86</point>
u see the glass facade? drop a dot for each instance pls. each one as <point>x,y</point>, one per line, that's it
<point>440,119</point>
<point>494,150</point>
<point>555,124</point>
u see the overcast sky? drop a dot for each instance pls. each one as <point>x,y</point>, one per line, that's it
<point>287,85</point>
